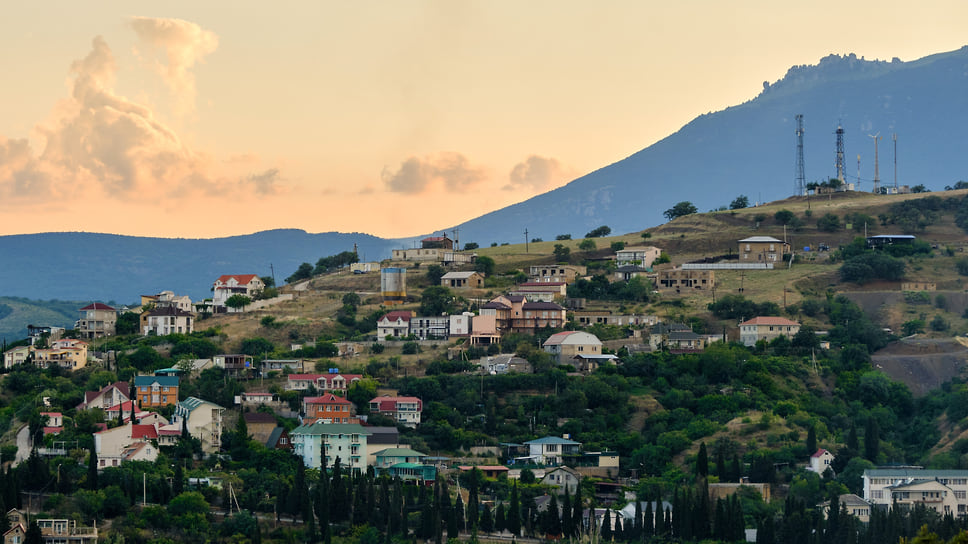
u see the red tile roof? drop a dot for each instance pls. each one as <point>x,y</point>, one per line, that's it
<point>97,306</point>
<point>403,315</point>
<point>144,431</point>
<point>389,404</point>
<point>769,320</point>
<point>243,279</point>
<point>819,453</point>
<point>327,399</point>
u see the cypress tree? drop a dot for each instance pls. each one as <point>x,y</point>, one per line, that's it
<point>553,527</point>
<point>606,530</point>
<point>178,480</point>
<point>566,528</point>
<point>514,512</point>
<point>473,502</point>
<point>396,507</point>
<point>872,440</point>
<point>702,461</point>
<point>460,514</point>
<point>500,520</point>
<point>577,517</point>
<point>634,530</point>
<point>735,469</point>
<point>852,442</point>
<point>812,440</point>
<point>648,521</point>
<point>92,469</point>
<point>487,520</point>
<point>33,534</point>
<point>721,470</point>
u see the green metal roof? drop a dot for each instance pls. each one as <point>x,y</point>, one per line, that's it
<point>399,452</point>
<point>194,402</point>
<point>319,428</point>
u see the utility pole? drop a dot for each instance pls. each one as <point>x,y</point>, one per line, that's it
<point>526,241</point>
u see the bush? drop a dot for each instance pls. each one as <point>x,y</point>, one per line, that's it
<point>829,223</point>
<point>410,348</point>
<point>377,348</point>
<point>938,324</point>
<point>870,266</point>
<point>587,245</point>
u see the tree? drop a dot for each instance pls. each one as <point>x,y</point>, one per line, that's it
<point>238,302</point>
<point>702,461</point>
<point>562,253</point>
<point>128,323</point>
<point>257,346</point>
<point>679,210</point>
<point>484,265</point>
<point>436,300</point>
<point>872,440</point>
<point>812,440</point>
<point>784,217</point>
<point>599,232</point>
<point>562,237</point>
<point>435,272</point>
<point>587,245</point>
<point>304,272</point>
<point>618,245</point>
<point>33,534</point>
<point>739,203</point>
<point>828,223</point>
<point>92,469</point>
<point>919,188</point>
<point>470,245</point>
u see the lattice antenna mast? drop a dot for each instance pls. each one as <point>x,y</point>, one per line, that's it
<point>877,174</point>
<point>801,181</point>
<point>895,163</point>
<point>841,165</point>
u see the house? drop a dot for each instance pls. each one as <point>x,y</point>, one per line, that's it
<point>669,335</point>
<point>395,324</point>
<point>108,396</point>
<point>156,391</point>
<point>279,439</point>
<point>766,328</point>
<point>328,408</point>
<point>605,317</point>
<point>680,279</point>
<point>55,422</point>
<point>403,410</point>
<point>97,320</point>
<point>629,271</point>
<point>437,242</point>
<point>260,425</point>
<point>381,438</point>
<point>553,273</point>
<point>563,478</point>
<point>551,450</point>
<point>346,441</point>
<point>941,490</point>
<point>547,291</point>
<point>484,331</point>
<point>68,353</point>
<point>489,471</point>
<point>882,240</point>
<point>588,362</point>
<point>203,419</point>
<point>855,506</point>
<point>919,286</point>
<point>504,363</point>
<point>820,461</point>
<point>430,328</point>
<point>463,280</point>
<point>52,531</point>
<point>16,356</point>
<point>762,249</point>
<point>36,332</point>
<point>234,364</point>
<point>165,320</point>
<point>538,315</point>
<point>123,411</point>
<point>255,398</point>
<point>563,346</point>
<point>411,472</point>
<point>284,365</point>
<point>392,456</point>
<point>235,284</point>
<point>334,381</point>
<point>167,298</point>
<point>127,442</point>
<point>642,257</point>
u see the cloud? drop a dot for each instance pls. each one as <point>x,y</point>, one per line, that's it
<point>264,183</point>
<point>536,173</point>
<point>98,142</point>
<point>451,171</point>
<point>184,44</point>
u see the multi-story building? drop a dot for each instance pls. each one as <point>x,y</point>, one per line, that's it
<point>97,320</point>
<point>554,273</point>
<point>943,491</point>
<point>334,381</point>
<point>563,346</point>
<point>234,364</point>
<point>430,328</point>
<point>680,279</point>
<point>156,391</point>
<point>766,328</point>
<point>68,353</point>
<point>394,324</point>
<point>165,320</point>
<point>765,249</point>
<point>637,256</point>
<point>52,531</point>
<point>346,441</point>
<point>404,410</point>
<point>235,284</point>
<point>203,419</point>
<point>328,408</point>
<point>538,315</point>
<point>551,450</point>
<point>109,395</point>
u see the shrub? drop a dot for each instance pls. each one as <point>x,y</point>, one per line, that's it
<point>829,223</point>
<point>410,348</point>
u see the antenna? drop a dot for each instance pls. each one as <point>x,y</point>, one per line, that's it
<point>800,183</point>
<point>840,164</point>
<point>858,171</point>
<point>895,163</point>
<point>877,174</point>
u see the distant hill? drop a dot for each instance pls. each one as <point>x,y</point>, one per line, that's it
<point>751,148</point>
<point>103,267</point>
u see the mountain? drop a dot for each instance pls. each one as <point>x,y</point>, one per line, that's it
<point>107,267</point>
<point>750,149</point>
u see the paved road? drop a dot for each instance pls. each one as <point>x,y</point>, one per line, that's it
<point>23,445</point>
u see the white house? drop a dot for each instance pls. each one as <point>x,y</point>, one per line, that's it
<point>563,478</point>
<point>550,450</point>
<point>637,256</point>
<point>820,461</point>
<point>766,328</point>
<point>941,490</point>
<point>235,284</point>
<point>564,346</point>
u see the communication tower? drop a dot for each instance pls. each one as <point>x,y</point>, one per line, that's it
<point>877,174</point>
<point>801,181</point>
<point>841,165</point>
<point>895,163</point>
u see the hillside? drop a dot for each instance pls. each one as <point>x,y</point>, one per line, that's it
<point>750,148</point>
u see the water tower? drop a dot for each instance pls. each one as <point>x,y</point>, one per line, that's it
<point>393,285</point>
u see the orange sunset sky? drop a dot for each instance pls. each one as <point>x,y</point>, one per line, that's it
<point>396,118</point>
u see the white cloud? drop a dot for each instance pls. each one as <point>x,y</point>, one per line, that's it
<point>453,172</point>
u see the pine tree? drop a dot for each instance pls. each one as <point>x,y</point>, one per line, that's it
<point>721,470</point>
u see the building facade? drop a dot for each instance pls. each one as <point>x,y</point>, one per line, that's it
<point>766,328</point>
<point>348,442</point>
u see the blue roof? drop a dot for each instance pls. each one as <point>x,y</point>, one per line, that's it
<point>164,381</point>
<point>553,440</point>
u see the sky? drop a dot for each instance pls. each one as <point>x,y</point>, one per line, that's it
<point>395,118</point>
